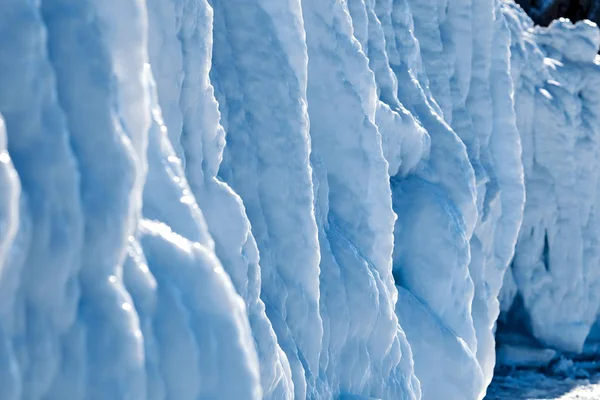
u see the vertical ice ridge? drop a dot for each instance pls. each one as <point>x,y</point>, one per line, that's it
<point>110,193</point>
<point>142,286</point>
<point>458,65</point>
<point>45,303</point>
<point>473,123</point>
<point>472,119</point>
<point>9,208</point>
<point>196,305</point>
<point>413,93</point>
<point>198,310</point>
<point>553,71</point>
<point>186,29</point>
<point>10,187</point>
<point>236,247</point>
<point>439,193</point>
<point>429,18</point>
<point>363,347</point>
<point>502,211</point>
<point>259,74</point>
<point>167,199</point>
<point>404,140</point>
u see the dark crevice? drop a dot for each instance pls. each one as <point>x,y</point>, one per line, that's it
<point>546,253</point>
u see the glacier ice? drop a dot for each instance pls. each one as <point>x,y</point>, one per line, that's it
<point>467,69</point>
<point>259,73</point>
<point>244,199</point>
<point>73,329</point>
<point>555,72</point>
<point>363,349</point>
<point>182,30</point>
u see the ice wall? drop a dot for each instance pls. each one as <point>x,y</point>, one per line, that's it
<point>146,268</point>
<point>298,199</point>
<point>180,52</point>
<point>354,214</point>
<point>465,55</point>
<point>452,200</point>
<point>259,73</point>
<point>554,274</point>
<point>86,314</point>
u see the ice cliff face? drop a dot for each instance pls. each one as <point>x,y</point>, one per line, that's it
<point>555,273</point>
<point>246,199</point>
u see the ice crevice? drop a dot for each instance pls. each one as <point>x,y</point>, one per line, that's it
<point>296,199</point>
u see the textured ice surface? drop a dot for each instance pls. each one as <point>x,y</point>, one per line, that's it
<point>468,76</point>
<point>180,40</point>
<point>297,199</point>
<point>364,352</point>
<point>556,280</point>
<point>259,71</point>
<point>457,202</point>
<point>84,317</point>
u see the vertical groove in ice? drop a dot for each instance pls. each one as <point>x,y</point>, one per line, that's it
<point>364,351</point>
<point>259,73</point>
<point>181,52</point>
<point>332,219</point>
<point>555,73</point>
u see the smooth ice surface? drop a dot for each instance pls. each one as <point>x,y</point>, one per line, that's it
<point>295,199</point>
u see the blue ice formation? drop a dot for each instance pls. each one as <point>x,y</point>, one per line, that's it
<point>554,276</point>
<point>295,199</point>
